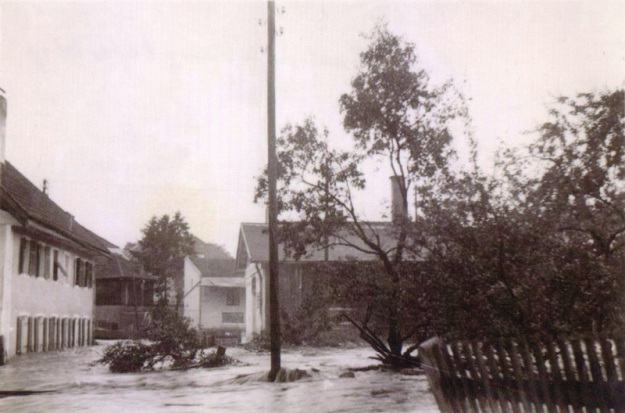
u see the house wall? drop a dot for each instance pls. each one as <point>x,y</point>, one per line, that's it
<point>121,318</point>
<point>295,280</point>
<point>40,314</point>
<point>256,300</point>
<point>217,313</point>
<point>5,283</point>
<point>192,277</point>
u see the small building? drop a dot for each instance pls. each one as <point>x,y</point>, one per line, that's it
<point>214,295</point>
<point>46,267</point>
<point>124,295</point>
<point>297,277</point>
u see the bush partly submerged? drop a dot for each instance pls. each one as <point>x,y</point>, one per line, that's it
<point>170,342</point>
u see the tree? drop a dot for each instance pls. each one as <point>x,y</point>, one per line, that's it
<point>394,114</point>
<point>537,250</point>
<point>165,243</point>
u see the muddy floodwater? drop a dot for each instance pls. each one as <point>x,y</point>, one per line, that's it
<point>75,386</point>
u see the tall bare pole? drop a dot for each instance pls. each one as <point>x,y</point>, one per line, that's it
<point>272,172</point>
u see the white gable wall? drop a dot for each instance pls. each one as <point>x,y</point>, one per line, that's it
<point>42,314</point>
<point>191,301</point>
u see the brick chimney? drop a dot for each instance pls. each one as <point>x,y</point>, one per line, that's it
<point>399,205</point>
<point>3,124</point>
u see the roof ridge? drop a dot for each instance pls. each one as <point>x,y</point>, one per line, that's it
<point>39,207</point>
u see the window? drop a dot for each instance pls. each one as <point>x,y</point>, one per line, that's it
<point>46,262</point>
<point>68,266</point>
<point>232,318</point>
<point>232,296</point>
<point>88,274</point>
<point>23,263</point>
<point>33,260</point>
<point>79,272</point>
<point>55,265</point>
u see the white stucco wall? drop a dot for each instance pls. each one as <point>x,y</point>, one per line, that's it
<point>255,301</point>
<point>192,276</point>
<point>214,304</point>
<point>24,296</point>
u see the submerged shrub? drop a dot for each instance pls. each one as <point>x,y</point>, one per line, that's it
<point>259,343</point>
<point>127,356</point>
<point>169,339</point>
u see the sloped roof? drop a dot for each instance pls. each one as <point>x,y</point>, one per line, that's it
<point>256,240</point>
<point>27,202</point>
<point>210,251</point>
<point>118,266</point>
<point>212,260</point>
<point>213,267</point>
<point>223,282</point>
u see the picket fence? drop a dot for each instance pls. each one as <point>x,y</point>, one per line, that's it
<point>506,376</point>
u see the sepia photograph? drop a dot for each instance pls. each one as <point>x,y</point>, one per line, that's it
<point>312,206</point>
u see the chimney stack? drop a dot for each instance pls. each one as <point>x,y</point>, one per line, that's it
<point>399,204</point>
<point>3,124</point>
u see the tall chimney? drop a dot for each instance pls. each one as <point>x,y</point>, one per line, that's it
<point>399,204</point>
<point>3,124</point>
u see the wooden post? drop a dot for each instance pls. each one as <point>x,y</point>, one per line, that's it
<point>272,175</point>
<point>427,352</point>
<point>2,351</point>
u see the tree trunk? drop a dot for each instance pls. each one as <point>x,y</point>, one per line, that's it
<point>394,337</point>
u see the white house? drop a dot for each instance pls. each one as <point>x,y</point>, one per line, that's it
<point>214,295</point>
<point>46,267</point>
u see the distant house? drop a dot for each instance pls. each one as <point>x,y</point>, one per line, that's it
<point>214,295</point>
<point>46,267</point>
<point>124,295</point>
<point>295,276</point>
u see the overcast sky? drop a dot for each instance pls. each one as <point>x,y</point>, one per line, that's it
<point>135,109</point>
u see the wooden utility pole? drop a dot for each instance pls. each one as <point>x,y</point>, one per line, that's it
<point>272,172</point>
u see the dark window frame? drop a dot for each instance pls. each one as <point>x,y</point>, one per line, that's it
<point>33,259</point>
<point>22,266</point>
<point>233,298</point>
<point>55,265</point>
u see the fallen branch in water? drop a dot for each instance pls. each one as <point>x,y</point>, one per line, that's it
<point>384,354</point>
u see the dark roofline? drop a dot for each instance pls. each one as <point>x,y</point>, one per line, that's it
<point>81,236</point>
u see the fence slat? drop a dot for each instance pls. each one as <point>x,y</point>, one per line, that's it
<point>449,387</point>
<point>497,381</point>
<point>507,376</point>
<point>543,379</point>
<point>556,377</point>
<point>518,375</point>
<point>572,395</point>
<point>597,376</point>
<point>434,369</point>
<point>491,395</point>
<point>531,376</point>
<point>455,384</point>
<point>479,385</point>
<point>609,360</point>
<point>469,393</point>
<point>620,356</point>
<point>582,372</point>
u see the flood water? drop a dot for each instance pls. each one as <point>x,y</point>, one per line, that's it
<point>78,387</point>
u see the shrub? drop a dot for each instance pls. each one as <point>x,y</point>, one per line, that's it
<point>172,337</point>
<point>127,356</point>
<point>259,343</point>
<point>169,338</point>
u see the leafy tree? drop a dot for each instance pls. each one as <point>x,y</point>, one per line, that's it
<point>537,250</point>
<point>165,243</point>
<point>396,115</point>
<point>581,151</point>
